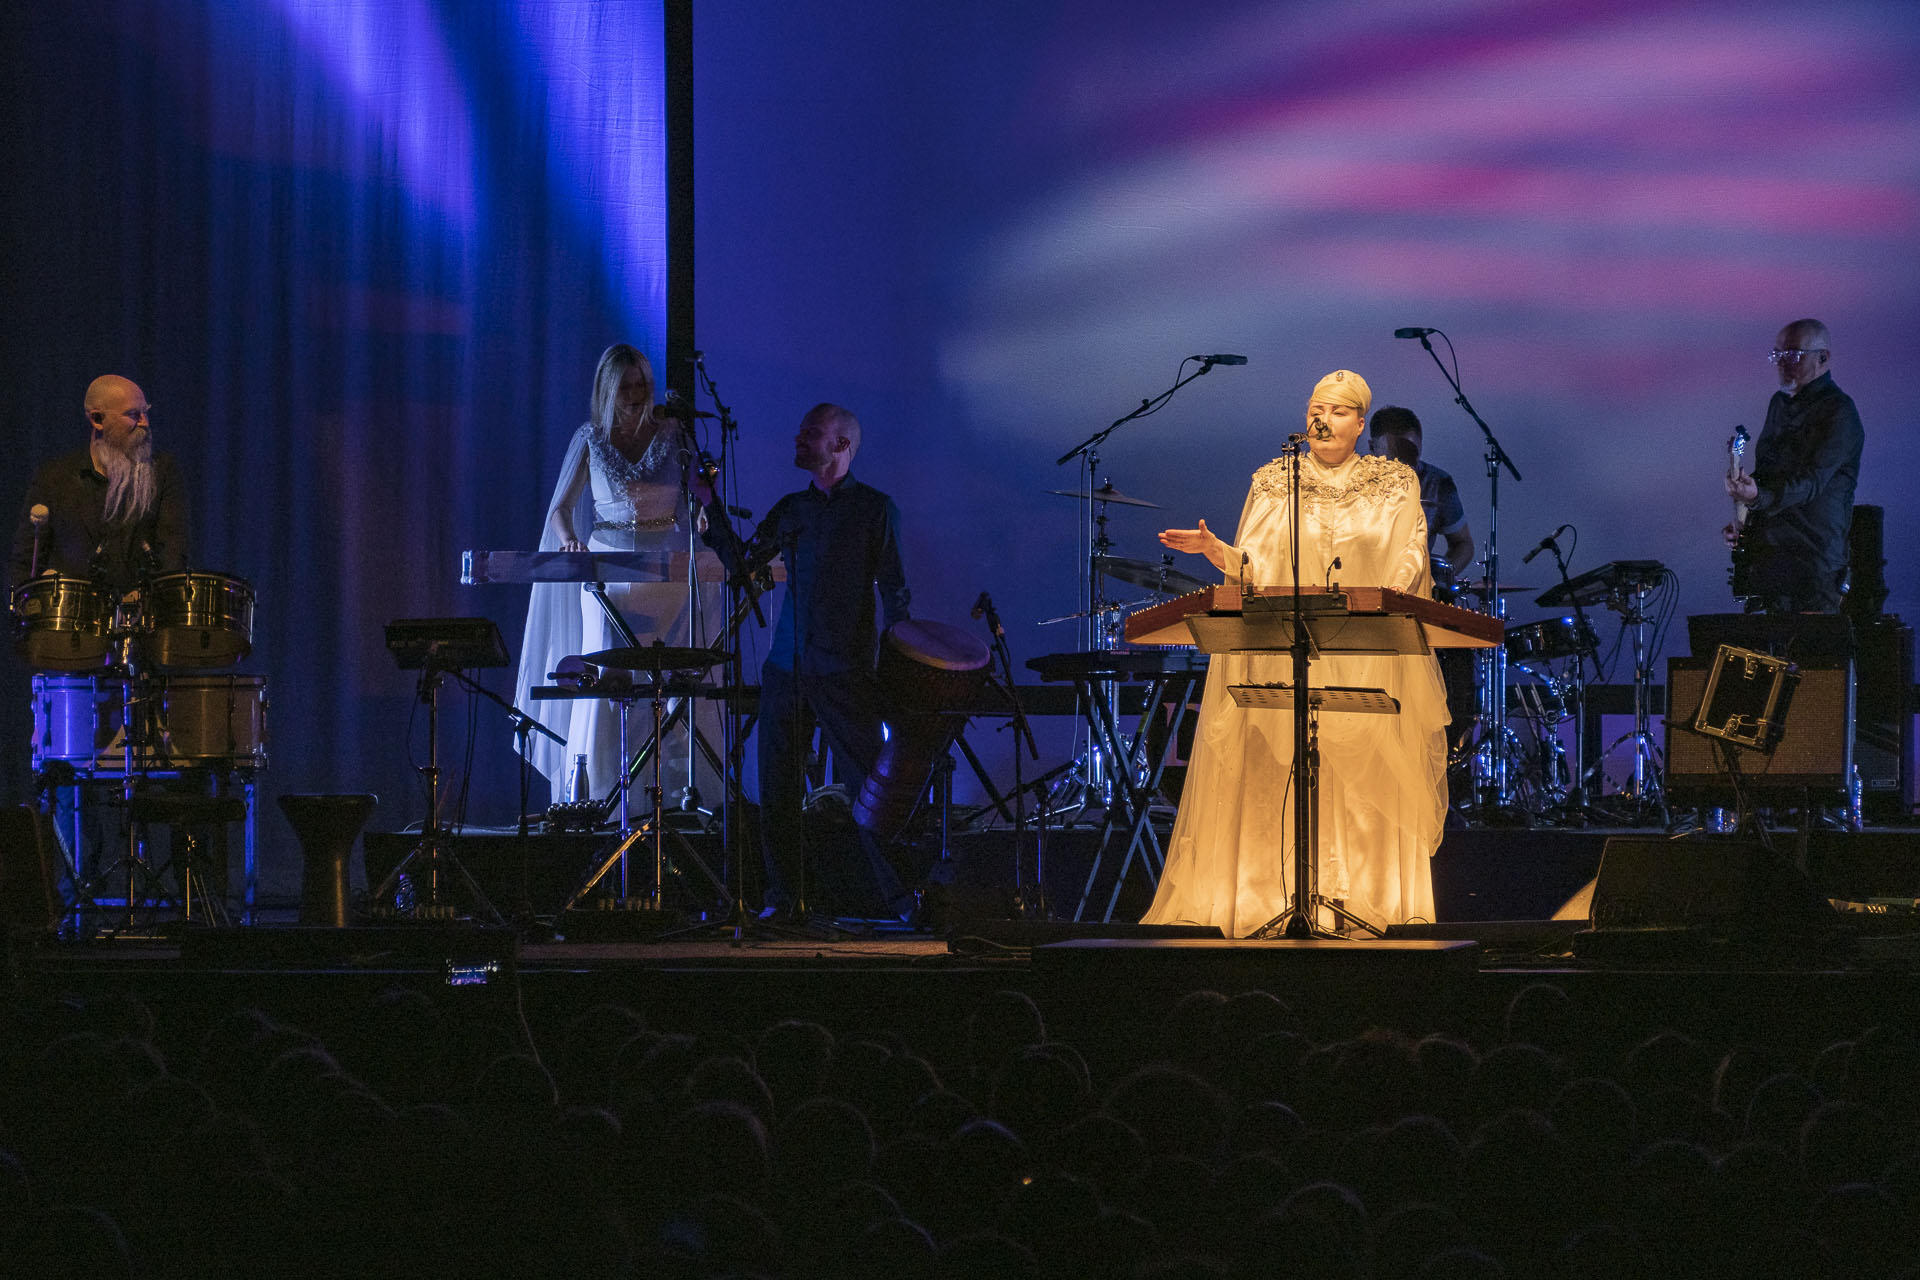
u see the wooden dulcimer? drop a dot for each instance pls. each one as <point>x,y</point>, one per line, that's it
<point>1445,626</point>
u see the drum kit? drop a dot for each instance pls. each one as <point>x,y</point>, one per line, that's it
<point>1551,657</point>
<point>129,689</point>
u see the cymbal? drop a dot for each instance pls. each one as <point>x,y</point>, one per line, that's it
<point>657,656</point>
<point>1107,493</point>
<point>1155,575</point>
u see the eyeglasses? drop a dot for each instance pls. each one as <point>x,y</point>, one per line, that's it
<point>1794,355</point>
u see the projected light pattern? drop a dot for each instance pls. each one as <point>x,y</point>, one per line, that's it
<point>1609,207</point>
<point>392,60</point>
<point>606,125</point>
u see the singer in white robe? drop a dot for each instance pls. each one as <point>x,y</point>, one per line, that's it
<point>623,485</point>
<point>1383,780</point>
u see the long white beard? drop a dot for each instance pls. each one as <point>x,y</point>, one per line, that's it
<point>130,482</point>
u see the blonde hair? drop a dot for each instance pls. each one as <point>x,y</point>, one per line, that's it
<point>613,366</point>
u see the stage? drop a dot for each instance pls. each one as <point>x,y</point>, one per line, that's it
<point>1731,964</point>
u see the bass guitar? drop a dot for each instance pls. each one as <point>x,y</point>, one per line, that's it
<point>1740,570</point>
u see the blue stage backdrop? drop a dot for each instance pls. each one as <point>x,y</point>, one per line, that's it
<point>362,257</point>
<point>362,253</point>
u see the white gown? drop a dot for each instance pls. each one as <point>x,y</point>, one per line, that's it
<point>1383,779</point>
<point>636,506</point>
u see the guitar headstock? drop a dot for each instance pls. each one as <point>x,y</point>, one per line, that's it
<point>1737,445</point>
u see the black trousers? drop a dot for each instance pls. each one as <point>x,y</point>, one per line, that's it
<point>845,707</point>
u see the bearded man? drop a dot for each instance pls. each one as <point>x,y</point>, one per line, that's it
<point>112,511</point>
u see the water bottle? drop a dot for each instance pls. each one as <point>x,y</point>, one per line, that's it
<point>578,786</point>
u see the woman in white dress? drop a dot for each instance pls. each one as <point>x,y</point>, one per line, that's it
<point>1383,782</point>
<point>631,459</point>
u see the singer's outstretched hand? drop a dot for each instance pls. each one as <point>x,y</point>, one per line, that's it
<point>1200,541</point>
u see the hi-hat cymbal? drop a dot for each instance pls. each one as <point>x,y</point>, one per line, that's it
<point>1107,493</point>
<point>1155,575</point>
<point>657,656</point>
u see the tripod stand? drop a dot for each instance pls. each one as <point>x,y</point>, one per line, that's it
<point>436,647</point>
<point>657,659</point>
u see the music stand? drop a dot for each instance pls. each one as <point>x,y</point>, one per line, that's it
<point>435,647</point>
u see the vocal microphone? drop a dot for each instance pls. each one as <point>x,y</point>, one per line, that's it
<point>1549,541</point>
<point>38,515</point>
<point>985,605</point>
<point>1321,431</point>
<point>1415,332</point>
<point>1223,359</point>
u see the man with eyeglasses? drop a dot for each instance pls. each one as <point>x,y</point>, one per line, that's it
<point>111,510</point>
<point>1800,494</point>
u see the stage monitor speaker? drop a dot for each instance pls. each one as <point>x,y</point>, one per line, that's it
<point>1883,737</point>
<point>1729,889</point>
<point>1814,753</point>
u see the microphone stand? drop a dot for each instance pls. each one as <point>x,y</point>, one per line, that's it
<point>1494,792</point>
<point>1296,921</point>
<point>1576,802</point>
<point>1028,905</point>
<point>524,727</point>
<point>1094,605</point>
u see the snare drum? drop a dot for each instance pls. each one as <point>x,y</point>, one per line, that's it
<point>1548,639</point>
<point>63,623</point>
<point>76,720</point>
<point>202,720</point>
<point>197,619</point>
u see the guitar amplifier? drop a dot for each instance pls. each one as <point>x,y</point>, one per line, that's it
<point>1813,751</point>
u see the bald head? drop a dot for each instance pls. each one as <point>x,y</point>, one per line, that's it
<point>1809,335</point>
<point>1803,350</point>
<point>840,422</point>
<point>109,391</point>
<point>828,438</point>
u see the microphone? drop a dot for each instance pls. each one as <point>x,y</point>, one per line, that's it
<point>1222,359</point>
<point>1321,431</point>
<point>38,515</point>
<point>1415,332</point>
<point>985,605</point>
<point>1548,541</point>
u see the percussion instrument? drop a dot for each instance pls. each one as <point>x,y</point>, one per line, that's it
<point>198,619</point>
<point>75,720</point>
<point>64,624</point>
<point>1596,586</point>
<point>1107,493</point>
<point>1549,639</point>
<point>179,722</point>
<point>929,671</point>
<point>1155,575</point>
<point>207,720</point>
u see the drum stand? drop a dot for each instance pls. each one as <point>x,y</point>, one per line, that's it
<point>1647,789</point>
<point>655,825</point>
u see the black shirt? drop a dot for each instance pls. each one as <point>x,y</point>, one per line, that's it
<point>79,542</point>
<point>840,547</point>
<point>1806,465</point>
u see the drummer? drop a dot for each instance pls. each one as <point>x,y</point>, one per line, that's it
<point>113,512</point>
<point>841,543</point>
